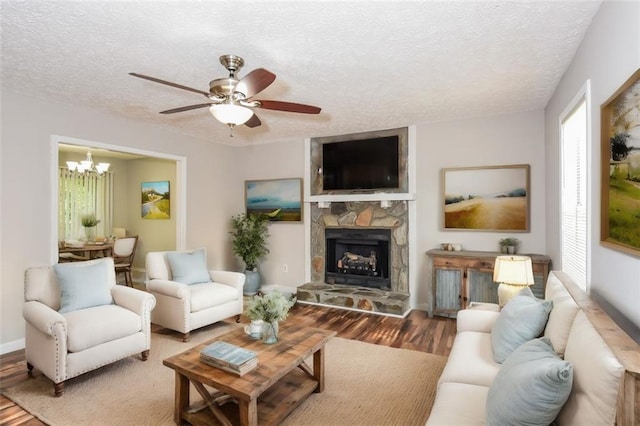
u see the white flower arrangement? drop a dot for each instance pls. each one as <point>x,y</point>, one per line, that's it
<point>270,307</point>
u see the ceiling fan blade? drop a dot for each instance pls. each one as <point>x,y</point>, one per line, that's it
<point>254,121</point>
<point>168,83</point>
<point>289,107</point>
<point>255,82</point>
<point>185,108</point>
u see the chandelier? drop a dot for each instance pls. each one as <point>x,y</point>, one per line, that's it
<point>87,166</point>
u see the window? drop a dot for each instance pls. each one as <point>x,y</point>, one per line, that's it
<point>79,194</point>
<point>573,192</point>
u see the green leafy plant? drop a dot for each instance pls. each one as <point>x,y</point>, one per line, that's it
<point>270,307</point>
<point>250,238</point>
<point>89,220</point>
<point>506,242</point>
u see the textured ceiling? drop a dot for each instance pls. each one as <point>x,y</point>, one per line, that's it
<point>368,65</point>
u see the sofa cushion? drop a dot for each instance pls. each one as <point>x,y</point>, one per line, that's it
<point>523,318</point>
<point>189,267</point>
<point>531,386</point>
<point>83,284</point>
<point>91,327</point>
<point>596,379</point>
<point>560,321</point>
<point>470,360</point>
<point>458,404</point>
<point>207,295</point>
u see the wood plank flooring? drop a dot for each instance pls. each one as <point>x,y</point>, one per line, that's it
<point>416,332</point>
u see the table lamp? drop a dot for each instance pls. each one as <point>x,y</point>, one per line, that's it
<point>512,273</point>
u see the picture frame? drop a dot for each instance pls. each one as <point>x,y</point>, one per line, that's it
<point>620,179</point>
<point>155,200</point>
<point>487,198</point>
<point>279,199</point>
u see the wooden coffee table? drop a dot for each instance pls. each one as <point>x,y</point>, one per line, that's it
<point>268,393</point>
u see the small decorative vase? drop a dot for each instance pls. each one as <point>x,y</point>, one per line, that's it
<point>511,249</point>
<point>90,233</point>
<point>270,332</point>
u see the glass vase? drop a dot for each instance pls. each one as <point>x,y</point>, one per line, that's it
<point>270,332</point>
<point>90,233</point>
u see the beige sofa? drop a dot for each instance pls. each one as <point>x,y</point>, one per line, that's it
<point>605,360</point>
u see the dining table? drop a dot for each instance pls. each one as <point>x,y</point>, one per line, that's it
<point>84,251</point>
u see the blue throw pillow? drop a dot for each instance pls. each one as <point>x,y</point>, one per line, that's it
<point>531,387</point>
<point>189,267</point>
<point>83,285</point>
<point>523,318</point>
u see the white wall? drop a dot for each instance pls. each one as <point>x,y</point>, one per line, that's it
<point>608,56</point>
<point>26,170</point>
<point>491,141</point>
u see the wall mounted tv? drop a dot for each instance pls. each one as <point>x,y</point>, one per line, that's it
<point>361,164</point>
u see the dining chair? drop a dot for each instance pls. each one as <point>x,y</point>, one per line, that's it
<point>124,249</point>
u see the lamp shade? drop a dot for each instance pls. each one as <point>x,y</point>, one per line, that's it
<point>231,114</point>
<point>514,270</point>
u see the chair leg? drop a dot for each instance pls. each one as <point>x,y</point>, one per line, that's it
<point>58,389</point>
<point>145,355</point>
<point>130,278</point>
<point>186,336</point>
<point>30,370</point>
<point>238,318</point>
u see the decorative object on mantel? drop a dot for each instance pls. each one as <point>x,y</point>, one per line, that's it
<point>89,221</point>
<point>509,245</point>
<point>271,308</point>
<point>250,235</point>
<point>513,273</point>
<point>280,200</point>
<point>620,157</point>
<point>494,198</point>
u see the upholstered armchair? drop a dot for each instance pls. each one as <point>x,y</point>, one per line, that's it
<point>188,295</point>
<point>78,319</point>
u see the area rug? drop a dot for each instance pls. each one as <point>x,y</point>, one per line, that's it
<point>366,384</point>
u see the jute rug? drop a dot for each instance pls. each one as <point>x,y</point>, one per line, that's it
<point>366,384</point>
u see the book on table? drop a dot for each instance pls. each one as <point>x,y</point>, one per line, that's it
<point>228,357</point>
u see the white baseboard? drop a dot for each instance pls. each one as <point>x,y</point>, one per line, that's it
<point>13,346</point>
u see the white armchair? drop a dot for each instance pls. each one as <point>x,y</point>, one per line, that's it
<point>188,295</point>
<point>78,319</point>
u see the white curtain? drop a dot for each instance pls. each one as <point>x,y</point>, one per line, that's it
<point>80,194</point>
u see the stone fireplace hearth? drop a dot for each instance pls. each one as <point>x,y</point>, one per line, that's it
<point>387,292</point>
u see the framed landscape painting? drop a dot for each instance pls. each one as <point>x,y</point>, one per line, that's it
<point>620,155</point>
<point>493,198</point>
<point>156,202</point>
<point>279,199</point>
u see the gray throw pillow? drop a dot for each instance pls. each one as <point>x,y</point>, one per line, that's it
<point>189,267</point>
<point>83,284</point>
<point>531,387</point>
<point>523,318</point>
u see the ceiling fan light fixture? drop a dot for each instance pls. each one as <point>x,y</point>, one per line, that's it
<point>231,114</point>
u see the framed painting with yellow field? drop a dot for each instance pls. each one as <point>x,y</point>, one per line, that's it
<point>279,199</point>
<point>490,198</point>
<point>156,200</point>
<point>620,155</point>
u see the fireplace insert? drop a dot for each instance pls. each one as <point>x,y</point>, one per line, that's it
<point>358,257</point>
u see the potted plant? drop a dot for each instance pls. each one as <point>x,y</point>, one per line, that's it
<point>509,245</point>
<point>250,244</point>
<point>89,222</point>
<point>271,308</point>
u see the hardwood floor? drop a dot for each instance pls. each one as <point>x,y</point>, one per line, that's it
<point>416,332</point>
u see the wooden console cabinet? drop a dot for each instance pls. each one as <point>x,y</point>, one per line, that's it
<point>457,278</point>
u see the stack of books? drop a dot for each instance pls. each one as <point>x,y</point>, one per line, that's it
<point>228,357</point>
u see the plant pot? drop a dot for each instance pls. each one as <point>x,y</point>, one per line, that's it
<point>252,283</point>
<point>511,249</point>
<point>90,233</point>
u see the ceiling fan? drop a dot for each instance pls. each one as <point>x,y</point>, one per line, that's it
<point>230,99</point>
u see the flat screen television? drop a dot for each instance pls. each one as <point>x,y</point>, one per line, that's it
<point>362,164</point>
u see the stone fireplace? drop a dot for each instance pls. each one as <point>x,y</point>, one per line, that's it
<point>343,238</point>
